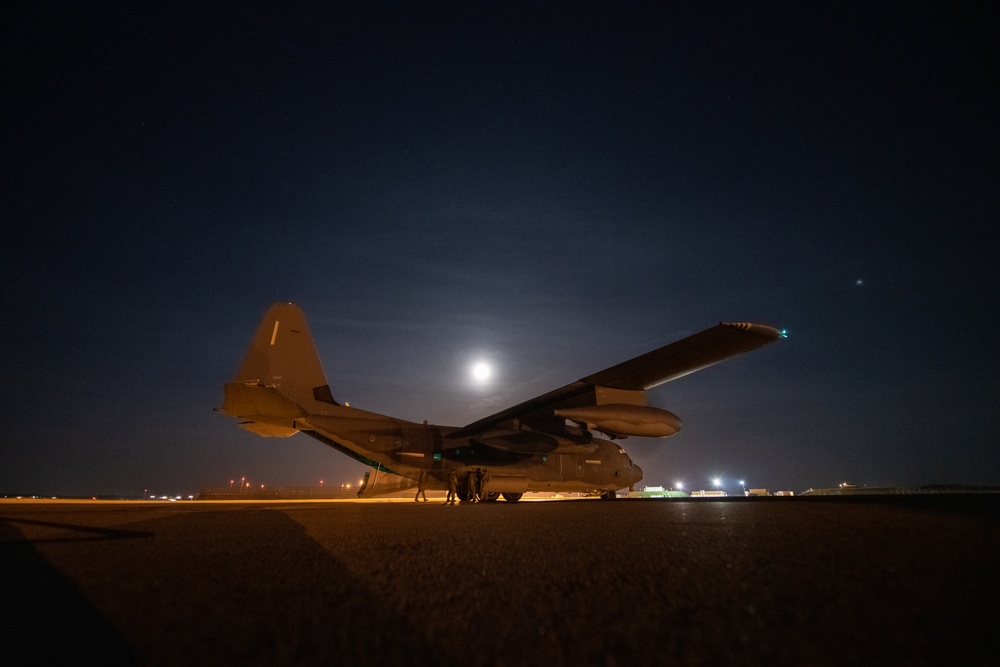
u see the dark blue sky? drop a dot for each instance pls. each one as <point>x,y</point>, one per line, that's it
<point>556,189</point>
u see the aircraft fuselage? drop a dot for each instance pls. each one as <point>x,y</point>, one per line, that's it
<point>537,462</point>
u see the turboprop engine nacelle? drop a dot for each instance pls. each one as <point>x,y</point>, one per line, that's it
<point>621,419</point>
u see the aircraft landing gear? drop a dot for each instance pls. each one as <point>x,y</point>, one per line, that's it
<point>491,497</point>
<point>609,495</point>
<point>512,497</point>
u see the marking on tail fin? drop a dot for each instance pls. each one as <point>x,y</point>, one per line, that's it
<point>274,334</point>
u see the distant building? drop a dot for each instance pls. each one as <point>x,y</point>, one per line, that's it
<point>656,492</point>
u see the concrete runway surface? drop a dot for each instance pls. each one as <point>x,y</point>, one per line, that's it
<point>778,581</point>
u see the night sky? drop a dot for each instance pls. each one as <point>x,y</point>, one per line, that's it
<point>553,188</point>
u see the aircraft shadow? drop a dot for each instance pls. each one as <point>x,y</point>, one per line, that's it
<point>88,533</point>
<point>46,618</point>
<point>243,586</point>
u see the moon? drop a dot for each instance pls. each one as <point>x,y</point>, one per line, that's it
<point>481,372</point>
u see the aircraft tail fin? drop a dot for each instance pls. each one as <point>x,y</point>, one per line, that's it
<point>281,377</point>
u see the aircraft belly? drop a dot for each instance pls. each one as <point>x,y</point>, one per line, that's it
<point>388,446</point>
<point>507,484</point>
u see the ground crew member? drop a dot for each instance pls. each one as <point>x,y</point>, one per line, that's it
<point>470,486</point>
<point>421,481</point>
<point>484,483</point>
<point>477,475</point>
<point>452,488</point>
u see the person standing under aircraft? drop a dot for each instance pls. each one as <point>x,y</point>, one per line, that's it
<point>470,486</point>
<point>484,482</point>
<point>421,482</point>
<point>479,484</point>
<point>452,489</point>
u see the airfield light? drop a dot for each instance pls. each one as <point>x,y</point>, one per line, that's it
<point>679,486</point>
<point>717,482</point>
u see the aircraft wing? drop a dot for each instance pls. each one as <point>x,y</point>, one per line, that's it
<point>626,382</point>
<point>686,356</point>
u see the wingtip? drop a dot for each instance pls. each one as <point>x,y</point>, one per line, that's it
<point>764,330</point>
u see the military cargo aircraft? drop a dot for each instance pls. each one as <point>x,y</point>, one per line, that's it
<point>547,443</point>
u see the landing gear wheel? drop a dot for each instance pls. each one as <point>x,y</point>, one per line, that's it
<point>512,497</point>
<point>609,495</point>
<point>491,497</point>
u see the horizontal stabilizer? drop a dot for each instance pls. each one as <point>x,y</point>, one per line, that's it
<point>250,400</point>
<point>268,412</point>
<point>269,430</point>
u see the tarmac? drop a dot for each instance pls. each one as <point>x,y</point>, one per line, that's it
<point>902,580</point>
